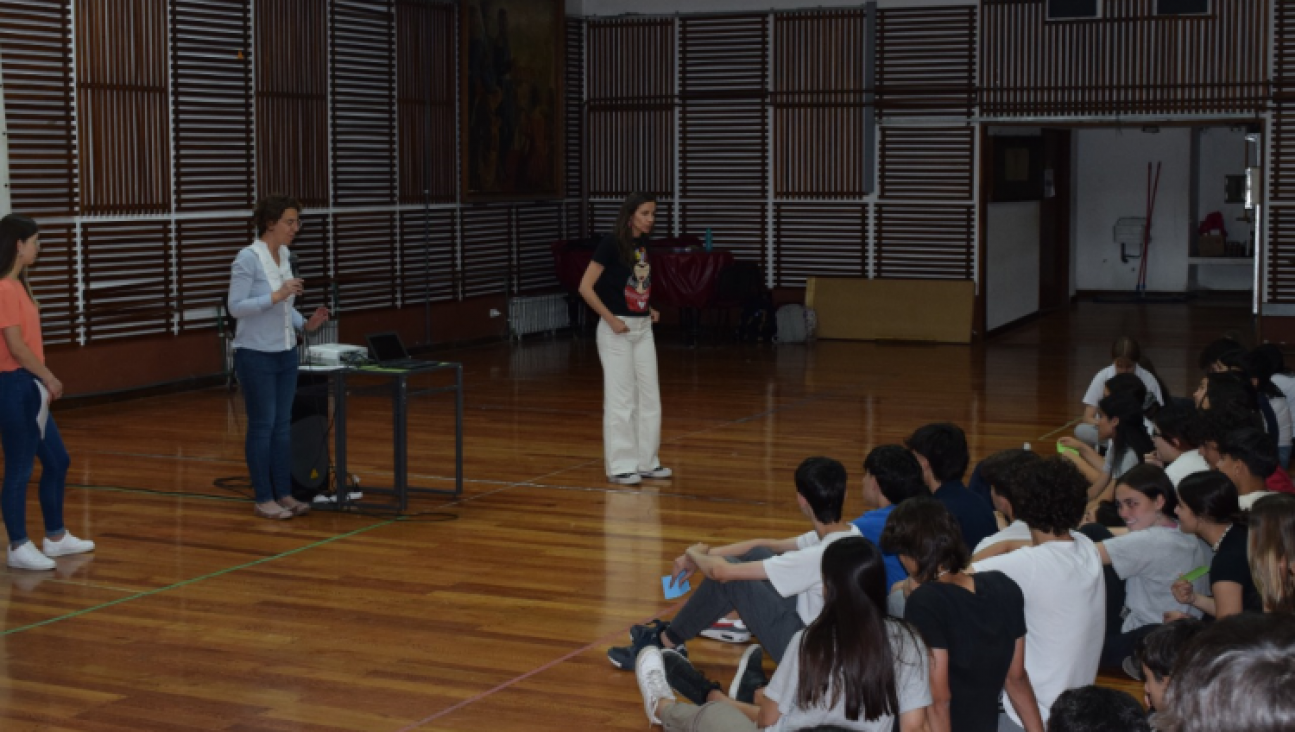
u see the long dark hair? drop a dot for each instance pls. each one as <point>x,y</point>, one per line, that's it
<point>1130,433</point>
<point>624,237</point>
<point>13,229</point>
<point>1152,482</point>
<point>1212,496</point>
<point>846,651</point>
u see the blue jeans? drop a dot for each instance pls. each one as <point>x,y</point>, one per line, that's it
<point>19,405</point>
<point>269,382</point>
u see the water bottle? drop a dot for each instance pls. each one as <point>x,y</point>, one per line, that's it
<point>709,241</point>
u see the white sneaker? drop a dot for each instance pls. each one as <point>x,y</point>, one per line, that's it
<point>625,478</point>
<point>649,669</point>
<point>67,545</point>
<point>657,473</point>
<point>28,556</point>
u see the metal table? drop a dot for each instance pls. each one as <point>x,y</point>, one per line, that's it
<point>400,394</point>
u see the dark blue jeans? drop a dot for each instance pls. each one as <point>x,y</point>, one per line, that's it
<point>19,405</point>
<point>269,383</point>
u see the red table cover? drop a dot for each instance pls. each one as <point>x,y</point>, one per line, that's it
<point>682,279</point>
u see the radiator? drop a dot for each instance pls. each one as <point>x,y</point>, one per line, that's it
<point>537,314</point>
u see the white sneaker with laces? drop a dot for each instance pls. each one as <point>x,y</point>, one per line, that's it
<point>649,669</point>
<point>67,545</point>
<point>660,472</point>
<point>28,556</point>
<point>625,478</point>
<point>728,631</point>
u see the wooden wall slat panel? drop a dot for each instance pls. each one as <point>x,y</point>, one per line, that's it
<point>573,107</point>
<point>427,69</point>
<point>926,61</point>
<point>211,97</point>
<point>738,226</point>
<point>1281,255</point>
<point>292,99</point>
<point>53,281</point>
<point>364,252</point>
<point>207,248</point>
<point>819,104</point>
<point>487,250</point>
<point>538,226</point>
<point>816,239</point>
<point>927,162</point>
<point>128,279</point>
<point>36,53</point>
<point>418,261</point>
<point>123,106</point>
<point>1131,61</point>
<point>363,74</point>
<point>924,241</point>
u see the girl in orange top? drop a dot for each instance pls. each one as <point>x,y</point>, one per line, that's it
<point>25,383</point>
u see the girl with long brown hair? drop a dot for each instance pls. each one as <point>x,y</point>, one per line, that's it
<point>618,286</point>
<point>26,386</point>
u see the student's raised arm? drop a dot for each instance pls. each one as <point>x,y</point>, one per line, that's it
<point>777,546</point>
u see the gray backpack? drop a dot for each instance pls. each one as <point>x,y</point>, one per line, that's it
<point>793,324</point>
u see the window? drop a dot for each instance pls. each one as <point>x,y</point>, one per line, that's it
<point>1182,7</point>
<point>1074,9</point>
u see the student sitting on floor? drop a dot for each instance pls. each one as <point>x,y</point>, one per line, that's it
<point>1125,357</point>
<point>1155,655</point>
<point>1003,471</point>
<point>891,475</point>
<point>1260,368</point>
<point>852,667</point>
<point>1145,561</point>
<point>774,584</point>
<point>941,449</point>
<point>1235,676</point>
<point>1208,509</point>
<point>1120,420</point>
<point>1247,456</point>
<point>1097,709</point>
<point>1272,552</point>
<point>1060,575</point>
<point>1226,419</point>
<point>1178,434</point>
<point>974,624</point>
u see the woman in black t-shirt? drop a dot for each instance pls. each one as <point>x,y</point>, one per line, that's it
<point>1208,507</point>
<point>618,286</point>
<point>974,624</point>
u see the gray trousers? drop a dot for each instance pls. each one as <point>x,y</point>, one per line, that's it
<point>709,717</point>
<point>772,617</point>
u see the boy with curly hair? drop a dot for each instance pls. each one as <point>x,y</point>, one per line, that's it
<point>1060,574</point>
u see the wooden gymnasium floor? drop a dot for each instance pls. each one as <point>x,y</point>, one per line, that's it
<point>492,612</point>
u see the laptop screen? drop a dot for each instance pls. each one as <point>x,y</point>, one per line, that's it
<point>386,347</point>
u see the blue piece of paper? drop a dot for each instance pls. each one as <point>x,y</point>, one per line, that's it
<point>674,590</point>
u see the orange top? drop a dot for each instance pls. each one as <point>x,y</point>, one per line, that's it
<point>16,308</point>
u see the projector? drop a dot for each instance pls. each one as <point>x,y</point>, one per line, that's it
<point>333,354</point>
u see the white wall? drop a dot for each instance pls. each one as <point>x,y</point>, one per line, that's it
<point>664,7</point>
<point>1223,153</point>
<point>1012,262</point>
<point>1111,183</point>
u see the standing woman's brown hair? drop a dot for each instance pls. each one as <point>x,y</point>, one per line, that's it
<point>625,238</point>
<point>15,228</point>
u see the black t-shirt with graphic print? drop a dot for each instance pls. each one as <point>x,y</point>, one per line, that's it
<point>626,291</point>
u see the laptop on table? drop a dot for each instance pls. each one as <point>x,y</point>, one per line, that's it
<point>389,351</point>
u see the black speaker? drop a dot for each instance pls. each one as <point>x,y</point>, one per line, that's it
<point>310,452</point>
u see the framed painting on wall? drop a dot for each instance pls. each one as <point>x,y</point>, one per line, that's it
<point>510,137</point>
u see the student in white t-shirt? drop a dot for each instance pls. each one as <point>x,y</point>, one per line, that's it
<point>1003,471</point>
<point>1247,457</point>
<point>1178,434</point>
<point>1259,366</point>
<point>1126,356</point>
<point>1147,558</point>
<point>853,668</point>
<point>774,584</point>
<point>1281,378</point>
<point>1060,575</point>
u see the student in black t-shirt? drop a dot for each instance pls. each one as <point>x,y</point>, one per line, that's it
<point>974,624</point>
<point>941,450</point>
<point>618,286</point>
<point>1208,508</point>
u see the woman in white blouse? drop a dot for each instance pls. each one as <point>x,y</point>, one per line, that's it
<point>262,290</point>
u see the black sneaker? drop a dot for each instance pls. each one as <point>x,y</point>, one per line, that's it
<point>684,677</point>
<point>750,676</point>
<point>641,636</point>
